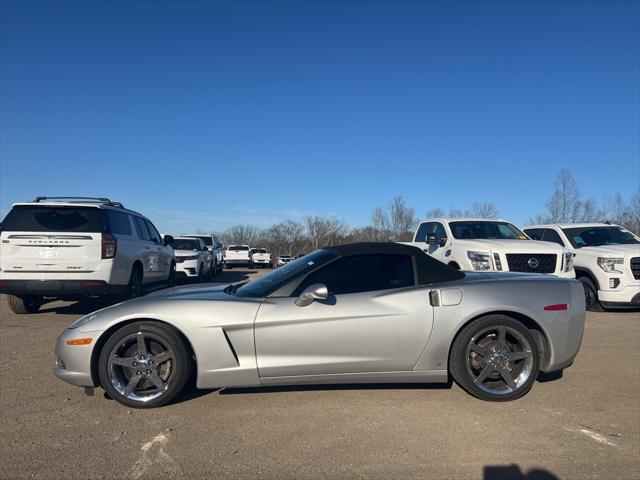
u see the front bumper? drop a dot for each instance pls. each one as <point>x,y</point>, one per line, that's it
<point>188,268</point>
<point>73,362</point>
<point>61,288</point>
<point>628,296</point>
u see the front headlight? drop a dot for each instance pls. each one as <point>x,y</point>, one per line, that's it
<point>609,264</point>
<point>480,260</point>
<point>568,261</point>
<point>82,321</point>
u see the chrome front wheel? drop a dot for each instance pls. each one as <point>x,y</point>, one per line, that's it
<point>144,364</point>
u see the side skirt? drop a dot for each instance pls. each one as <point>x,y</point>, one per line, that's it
<point>431,376</point>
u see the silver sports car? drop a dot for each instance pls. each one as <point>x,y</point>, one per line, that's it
<point>359,313</point>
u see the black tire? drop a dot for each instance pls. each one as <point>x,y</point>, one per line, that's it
<point>171,280</point>
<point>214,269</point>
<point>592,303</point>
<point>177,369</point>
<point>492,368</point>
<point>23,305</point>
<point>134,288</point>
<point>200,274</point>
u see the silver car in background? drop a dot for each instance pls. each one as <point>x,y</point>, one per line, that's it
<point>359,313</point>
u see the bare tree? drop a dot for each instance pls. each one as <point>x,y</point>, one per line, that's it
<point>435,213</point>
<point>457,213</point>
<point>632,215</point>
<point>241,235</point>
<point>323,232</point>
<point>402,220</point>
<point>484,210</point>
<point>565,204</point>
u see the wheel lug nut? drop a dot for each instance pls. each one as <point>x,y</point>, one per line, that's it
<point>135,364</point>
<point>138,372</point>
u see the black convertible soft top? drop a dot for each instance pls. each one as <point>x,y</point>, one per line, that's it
<point>428,269</point>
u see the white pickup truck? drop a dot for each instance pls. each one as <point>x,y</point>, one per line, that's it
<point>237,255</point>
<point>607,260</point>
<point>481,244</point>
<point>261,258</point>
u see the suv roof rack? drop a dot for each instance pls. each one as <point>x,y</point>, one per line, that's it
<point>102,200</point>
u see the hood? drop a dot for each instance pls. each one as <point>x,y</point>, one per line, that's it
<point>188,292</point>
<point>509,246</point>
<point>611,250</point>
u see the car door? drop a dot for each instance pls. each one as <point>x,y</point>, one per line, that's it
<point>436,250</point>
<point>374,320</point>
<point>162,253</point>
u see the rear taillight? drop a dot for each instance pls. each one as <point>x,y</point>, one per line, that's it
<point>109,245</point>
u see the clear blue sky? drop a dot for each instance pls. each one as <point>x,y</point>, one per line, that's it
<point>205,114</point>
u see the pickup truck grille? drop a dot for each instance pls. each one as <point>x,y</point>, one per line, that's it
<point>635,267</point>
<point>532,262</point>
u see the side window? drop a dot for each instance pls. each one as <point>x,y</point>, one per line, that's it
<point>440,231</point>
<point>552,236</point>
<point>141,228</point>
<point>534,233</point>
<point>424,228</point>
<point>118,222</point>
<point>363,273</point>
<point>153,233</point>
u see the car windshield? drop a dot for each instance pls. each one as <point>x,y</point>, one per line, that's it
<point>208,241</point>
<point>471,230</point>
<point>185,244</point>
<point>596,236</point>
<point>267,284</point>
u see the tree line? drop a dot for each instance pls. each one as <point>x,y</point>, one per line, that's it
<point>397,221</point>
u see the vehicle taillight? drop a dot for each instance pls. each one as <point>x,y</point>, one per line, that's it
<point>224,254</point>
<point>109,245</point>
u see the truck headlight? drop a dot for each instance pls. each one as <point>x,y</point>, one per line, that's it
<point>609,264</point>
<point>568,261</point>
<point>480,260</point>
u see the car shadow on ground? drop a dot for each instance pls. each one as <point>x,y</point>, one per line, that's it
<point>341,386</point>
<point>514,472</point>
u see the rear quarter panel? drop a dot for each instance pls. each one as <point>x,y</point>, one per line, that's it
<point>562,329</point>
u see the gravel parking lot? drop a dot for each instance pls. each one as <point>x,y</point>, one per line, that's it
<point>583,425</point>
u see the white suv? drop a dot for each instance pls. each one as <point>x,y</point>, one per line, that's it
<point>490,245</point>
<point>193,259</point>
<point>607,260</point>
<point>214,245</point>
<point>70,248</point>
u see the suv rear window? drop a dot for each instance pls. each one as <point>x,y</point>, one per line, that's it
<point>238,247</point>
<point>27,218</point>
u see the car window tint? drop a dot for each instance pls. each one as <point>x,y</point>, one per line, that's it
<point>552,236</point>
<point>534,233</point>
<point>141,228</point>
<point>118,222</point>
<point>153,233</point>
<point>363,273</point>
<point>53,219</point>
<point>423,229</point>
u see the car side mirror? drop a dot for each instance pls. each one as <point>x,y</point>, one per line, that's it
<point>168,240</point>
<point>432,239</point>
<point>317,291</point>
<point>443,241</point>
